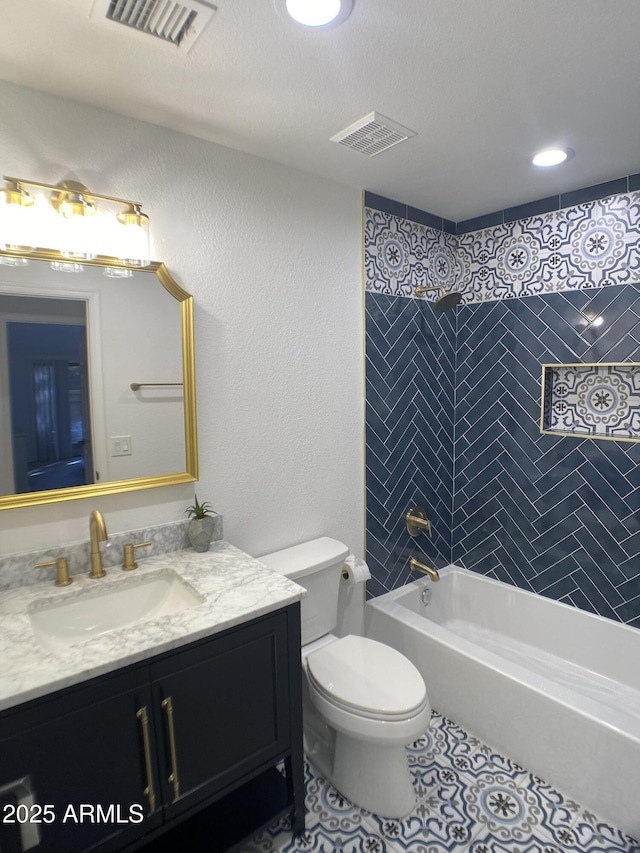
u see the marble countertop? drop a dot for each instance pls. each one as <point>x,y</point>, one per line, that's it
<point>233,586</point>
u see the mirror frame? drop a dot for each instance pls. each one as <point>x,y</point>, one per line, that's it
<point>189,381</point>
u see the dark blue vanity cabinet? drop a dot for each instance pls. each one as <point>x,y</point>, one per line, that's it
<point>188,740</point>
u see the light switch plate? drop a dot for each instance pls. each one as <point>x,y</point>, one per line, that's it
<point>120,445</point>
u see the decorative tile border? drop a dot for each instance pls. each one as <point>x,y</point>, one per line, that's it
<point>590,245</point>
<point>401,254</point>
<point>593,244</point>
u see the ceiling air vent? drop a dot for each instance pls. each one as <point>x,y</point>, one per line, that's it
<point>372,134</point>
<point>170,21</point>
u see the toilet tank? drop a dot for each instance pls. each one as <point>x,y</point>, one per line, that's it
<point>316,566</point>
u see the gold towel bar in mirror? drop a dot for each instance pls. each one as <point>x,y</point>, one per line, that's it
<point>136,386</point>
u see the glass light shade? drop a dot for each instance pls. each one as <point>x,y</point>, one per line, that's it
<point>133,237</point>
<point>17,218</point>
<point>118,272</point>
<point>64,266</point>
<point>77,231</point>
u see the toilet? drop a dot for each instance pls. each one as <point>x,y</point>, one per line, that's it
<point>362,700</point>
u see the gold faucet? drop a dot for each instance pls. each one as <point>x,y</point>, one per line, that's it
<point>427,570</point>
<point>98,533</point>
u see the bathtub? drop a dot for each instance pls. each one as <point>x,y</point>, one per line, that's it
<point>552,687</point>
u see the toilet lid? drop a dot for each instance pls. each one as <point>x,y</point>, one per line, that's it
<point>367,676</point>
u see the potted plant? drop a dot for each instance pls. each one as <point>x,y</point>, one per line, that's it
<point>200,527</point>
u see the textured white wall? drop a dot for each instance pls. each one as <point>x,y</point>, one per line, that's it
<point>273,259</point>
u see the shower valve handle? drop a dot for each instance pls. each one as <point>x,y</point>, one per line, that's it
<point>417,522</point>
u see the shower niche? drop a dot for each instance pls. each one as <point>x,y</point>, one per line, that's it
<point>591,400</point>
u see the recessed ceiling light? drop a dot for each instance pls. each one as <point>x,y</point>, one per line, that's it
<point>551,156</point>
<point>316,13</point>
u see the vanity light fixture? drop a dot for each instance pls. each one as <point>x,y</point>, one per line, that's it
<point>16,216</point>
<point>316,13</point>
<point>77,224</point>
<point>552,156</point>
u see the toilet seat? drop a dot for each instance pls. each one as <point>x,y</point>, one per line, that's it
<point>368,679</point>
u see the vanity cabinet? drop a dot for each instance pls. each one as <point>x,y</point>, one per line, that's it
<point>80,749</point>
<point>224,709</point>
<point>166,741</point>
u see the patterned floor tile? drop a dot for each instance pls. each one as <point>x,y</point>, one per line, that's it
<point>482,757</point>
<point>440,816</point>
<point>469,799</point>
<point>328,807</point>
<point>535,844</point>
<point>504,808</point>
<point>589,834</point>
<point>444,742</point>
<point>559,813</point>
<point>423,832</point>
<point>318,839</point>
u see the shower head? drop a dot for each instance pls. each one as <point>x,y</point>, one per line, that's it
<point>445,301</point>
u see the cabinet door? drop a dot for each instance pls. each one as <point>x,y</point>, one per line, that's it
<point>223,710</point>
<point>83,758</point>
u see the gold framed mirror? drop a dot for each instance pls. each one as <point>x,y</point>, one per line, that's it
<point>97,379</point>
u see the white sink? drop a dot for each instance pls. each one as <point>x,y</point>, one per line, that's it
<point>59,624</point>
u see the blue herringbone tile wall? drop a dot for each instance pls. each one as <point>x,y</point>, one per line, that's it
<point>556,515</point>
<point>409,432</point>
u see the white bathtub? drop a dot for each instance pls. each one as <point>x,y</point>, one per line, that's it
<point>554,688</point>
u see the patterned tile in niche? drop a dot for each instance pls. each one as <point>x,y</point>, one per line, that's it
<point>594,400</point>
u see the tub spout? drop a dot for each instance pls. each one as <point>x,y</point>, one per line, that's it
<point>427,570</point>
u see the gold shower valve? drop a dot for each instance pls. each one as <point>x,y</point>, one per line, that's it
<point>417,522</point>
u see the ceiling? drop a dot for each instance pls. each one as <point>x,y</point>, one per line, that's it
<point>484,83</point>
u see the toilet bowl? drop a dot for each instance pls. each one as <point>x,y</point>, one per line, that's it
<point>363,701</point>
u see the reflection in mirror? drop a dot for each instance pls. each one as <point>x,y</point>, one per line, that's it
<point>71,348</point>
<point>47,427</point>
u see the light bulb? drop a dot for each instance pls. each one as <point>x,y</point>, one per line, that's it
<point>318,13</point>
<point>551,156</point>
